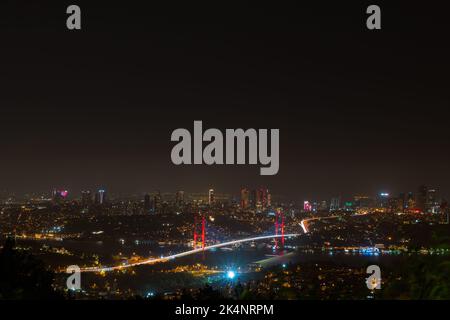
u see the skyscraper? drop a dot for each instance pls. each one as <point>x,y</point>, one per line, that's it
<point>323,206</point>
<point>244,198</point>
<point>59,195</point>
<point>262,198</point>
<point>421,198</point>
<point>335,204</point>
<point>157,201</point>
<point>86,198</point>
<point>402,202</point>
<point>307,206</point>
<point>362,201</point>
<point>252,198</point>
<point>410,201</point>
<point>211,198</point>
<point>100,197</point>
<point>432,204</point>
<point>147,203</point>
<point>179,198</point>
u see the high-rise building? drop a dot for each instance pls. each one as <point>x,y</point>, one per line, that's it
<point>262,198</point>
<point>323,206</point>
<point>432,204</point>
<point>244,198</point>
<point>147,203</point>
<point>86,198</point>
<point>421,198</point>
<point>179,198</point>
<point>211,198</point>
<point>100,197</point>
<point>157,202</point>
<point>335,204</point>
<point>252,198</point>
<point>410,201</point>
<point>307,207</point>
<point>59,195</point>
<point>383,200</point>
<point>401,203</point>
<point>362,201</point>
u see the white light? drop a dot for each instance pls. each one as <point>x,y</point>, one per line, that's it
<point>231,274</point>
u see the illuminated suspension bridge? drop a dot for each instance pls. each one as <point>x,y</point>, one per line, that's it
<point>279,234</point>
<point>185,253</point>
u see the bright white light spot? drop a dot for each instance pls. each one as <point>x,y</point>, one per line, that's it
<point>231,274</point>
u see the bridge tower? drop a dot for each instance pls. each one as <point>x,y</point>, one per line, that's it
<point>279,226</point>
<point>203,230</point>
<point>195,231</point>
<point>282,228</point>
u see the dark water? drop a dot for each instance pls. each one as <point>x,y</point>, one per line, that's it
<point>150,278</point>
<point>222,257</point>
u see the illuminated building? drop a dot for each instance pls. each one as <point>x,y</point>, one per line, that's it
<point>400,204</point>
<point>211,198</point>
<point>349,206</point>
<point>244,198</point>
<point>383,200</point>
<point>252,199</point>
<point>361,201</point>
<point>147,203</point>
<point>335,204</point>
<point>263,198</point>
<point>86,198</point>
<point>59,195</point>
<point>100,197</point>
<point>179,198</point>
<point>157,201</point>
<point>421,198</point>
<point>410,201</point>
<point>307,206</point>
<point>432,205</point>
<point>323,206</point>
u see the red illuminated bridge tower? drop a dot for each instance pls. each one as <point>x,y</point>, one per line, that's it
<point>199,218</point>
<point>279,226</point>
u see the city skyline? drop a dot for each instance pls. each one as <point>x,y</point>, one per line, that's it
<point>357,111</point>
<point>425,199</point>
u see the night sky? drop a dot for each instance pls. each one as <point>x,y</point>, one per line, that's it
<point>359,111</point>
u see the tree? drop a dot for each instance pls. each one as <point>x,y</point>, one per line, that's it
<point>23,276</point>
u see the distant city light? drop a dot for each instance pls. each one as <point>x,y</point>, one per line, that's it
<point>231,274</point>
<point>307,206</point>
<point>384,194</point>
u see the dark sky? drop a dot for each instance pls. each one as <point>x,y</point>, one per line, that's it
<point>359,111</point>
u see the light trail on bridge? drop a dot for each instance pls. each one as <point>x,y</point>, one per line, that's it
<point>183,254</point>
<point>304,222</point>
